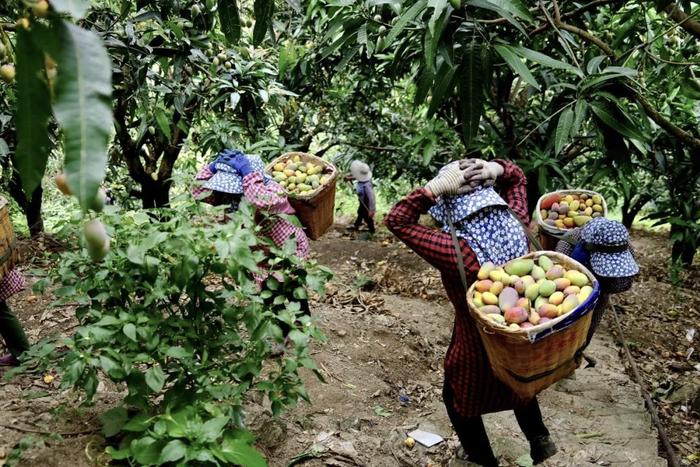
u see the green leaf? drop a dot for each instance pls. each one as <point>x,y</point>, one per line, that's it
<point>471,92</point>
<point>230,20</point>
<point>138,423</point>
<point>213,428</point>
<point>546,60</point>
<point>561,136</point>
<point>83,108</point>
<point>240,453</point>
<point>163,122</point>
<point>263,11</point>
<point>580,112</point>
<point>496,8</point>
<point>33,113</point>
<point>155,378</point>
<point>616,120</point>
<point>129,331</point>
<point>113,420</point>
<point>146,450</point>
<point>593,66</point>
<point>513,61</point>
<point>178,352</point>
<point>362,34</point>
<point>515,7</point>
<point>438,7</point>
<point>173,451</point>
<point>74,8</point>
<point>408,16</point>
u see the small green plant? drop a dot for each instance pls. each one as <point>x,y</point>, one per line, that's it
<point>174,314</point>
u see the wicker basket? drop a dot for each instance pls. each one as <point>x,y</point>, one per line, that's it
<point>550,235</point>
<point>530,360</point>
<point>9,254</point>
<point>314,208</point>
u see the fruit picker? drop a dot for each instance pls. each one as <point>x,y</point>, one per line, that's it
<point>480,200</point>
<point>602,245</point>
<point>234,176</point>
<point>361,173</point>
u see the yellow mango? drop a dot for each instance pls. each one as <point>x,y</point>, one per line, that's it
<point>485,269</point>
<point>279,167</point>
<point>489,299</point>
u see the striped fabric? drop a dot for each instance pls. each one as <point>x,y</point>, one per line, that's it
<point>467,370</point>
<point>12,283</point>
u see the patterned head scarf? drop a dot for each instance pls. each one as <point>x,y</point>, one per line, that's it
<point>226,179</point>
<point>483,219</point>
<point>607,243</point>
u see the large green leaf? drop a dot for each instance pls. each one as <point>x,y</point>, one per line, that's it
<point>444,84</point>
<point>546,60</point>
<point>155,378</point>
<point>408,16</point>
<point>495,7</point>
<point>614,118</point>
<point>432,38</point>
<point>580,112</point>
<point>263,10</point>
<point>75,8</point>
<point>230,20</point>
<point>83,108</point>
<point>471,93</point>
<point>561,137</point>
<point>238,452</point>
<point>513,61</point>
<point>33,113</point>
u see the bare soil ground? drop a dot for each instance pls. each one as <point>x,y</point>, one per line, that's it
<point>388,325</point>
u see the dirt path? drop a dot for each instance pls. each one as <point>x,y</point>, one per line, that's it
<point>383,368</point>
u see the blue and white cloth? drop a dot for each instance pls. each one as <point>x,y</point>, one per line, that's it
<point>605,246</point>
<point>226,179</point>
<point>483,219</point>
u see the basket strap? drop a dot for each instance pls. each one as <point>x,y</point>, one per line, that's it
<point>9,252</point>
<point>529,379</point>
<point>458,251</point>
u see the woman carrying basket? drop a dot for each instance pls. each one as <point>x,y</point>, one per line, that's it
<point>462,195</point>
<point>233,176</point>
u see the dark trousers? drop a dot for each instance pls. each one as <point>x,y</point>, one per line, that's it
<point>12,331</point>
<point>472,432</point>
<point>363,216</point>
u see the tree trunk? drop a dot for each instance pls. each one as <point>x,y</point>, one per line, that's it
<point>631,208</point>
<point>155,193</point>
<point>683,252</point>
<point>30,207</point>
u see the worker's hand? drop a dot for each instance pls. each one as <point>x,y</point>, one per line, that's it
<point>451,180</point>
<point>480,172</point>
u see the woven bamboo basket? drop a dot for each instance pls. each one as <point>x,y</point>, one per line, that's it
<point>530,360</point>
<point>550,235</point>
<point>315,209</point>
<point>9,254</point>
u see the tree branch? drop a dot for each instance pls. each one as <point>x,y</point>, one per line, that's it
<point>586,36</point>
<point>670,127</point>
<point>675,12</point>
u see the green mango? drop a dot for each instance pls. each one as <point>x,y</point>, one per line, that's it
<point>521,267</point>
<point>545,263</point>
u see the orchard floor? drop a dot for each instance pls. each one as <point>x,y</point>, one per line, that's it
<point>383,368</point>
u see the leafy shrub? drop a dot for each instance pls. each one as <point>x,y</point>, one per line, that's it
<point>174,315</point>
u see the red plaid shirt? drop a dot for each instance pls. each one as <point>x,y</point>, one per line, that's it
<point>467,370</point>
<point>11,283</point>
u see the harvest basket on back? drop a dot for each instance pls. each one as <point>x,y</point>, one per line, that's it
<point>9,255</point>
<point>530,360</point>
<point>315,207</point>
<point>549,234</point>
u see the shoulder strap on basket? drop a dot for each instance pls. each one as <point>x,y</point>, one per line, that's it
<point>458,251</point>
<point>528,233</point>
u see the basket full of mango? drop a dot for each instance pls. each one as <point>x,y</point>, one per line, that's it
<point>300,174</point>
<point>560,211</point>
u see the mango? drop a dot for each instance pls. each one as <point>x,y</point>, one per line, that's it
<point>520,268</point>
<point>497,275</point>
<point>506,279</point>
<point>488,309</point>
<point>544,319</point>
<point>549,201</point>
<point>545,263</point>
<point>532,291</point>
<point>526,325</point>
<point>289,172</point>
<point>292,179</point>
<point>292,166</point>
<point>555,207</point>
<point>528,280</point>
<point>556,298</point>
<point>496,288</point>
<point>572,290</point>
<point>574,205</point>
<point>301,177</point>
<point>588,211</point>
<point>597,208</point>
<point>583,196</point>
<point>489,299</point>
<point>523,303</point>
<point>485,269</point>
<point>514,327</point>
<point>559,223</point>
<point>537,273</point>
<point>547,288</point>
<point>555,272</point>
<point>597,199</point>
<point>569,199</point>
<point>515,315</point>
<point>577,278</point>
<point>589,203</point>
<point>568,222</point>
<point>498,319</point>
<point>483,285</point>
<point>519,285</point>
<point>570,302</point>
<point>562,283</point>
<point>513,279</point>
<point>585,292</point>
<point>534,317</point>
<point>553,215</point>
<point>539,302</point>
<point>477,301</point>
<point>279,167</point>
<point>548,311</point>
<point>508,298</point>
<point>563,209</point>
<point>303,186</point>
<point>597,214</point>
<point>543,214</point>
<point>580,220</point>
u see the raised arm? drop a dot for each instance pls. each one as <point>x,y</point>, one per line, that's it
<point>432,245</point>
